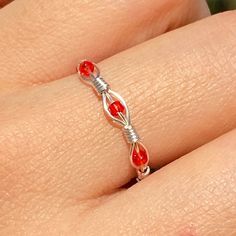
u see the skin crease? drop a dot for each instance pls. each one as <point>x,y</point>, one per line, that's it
<point>163,205</point>
<point>47,183</point>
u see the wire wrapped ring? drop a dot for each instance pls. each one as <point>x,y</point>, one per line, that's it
<point>115,107</point>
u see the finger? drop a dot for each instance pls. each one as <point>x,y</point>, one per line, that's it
<point>42,40</point>
<point>192,196</point>
<point>59,132</point>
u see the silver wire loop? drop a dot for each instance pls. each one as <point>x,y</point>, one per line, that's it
<point>109,97</point>
<point>100,84</point>
<point>93,75</point>
<point>143,172</point>
<point>130,134</point>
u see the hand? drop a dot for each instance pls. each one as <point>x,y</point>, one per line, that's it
<point>63,166</point>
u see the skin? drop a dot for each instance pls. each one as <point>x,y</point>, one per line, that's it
<point>63,166</point>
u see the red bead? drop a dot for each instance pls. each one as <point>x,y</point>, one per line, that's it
<point>116,107</point>
<point>86,68</point>
<point>139,155</point>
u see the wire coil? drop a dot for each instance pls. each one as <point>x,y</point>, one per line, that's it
<point>100,84</point>
<point>130,134</point>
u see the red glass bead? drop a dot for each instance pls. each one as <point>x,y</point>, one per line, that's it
<point>139,155</point>
<point>86,68</point>
<point>116,107</point>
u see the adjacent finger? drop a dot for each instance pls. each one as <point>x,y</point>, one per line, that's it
<point>43,40</point>
<point>195,195</point>
<point>4,2</point>
<point>181,94</point>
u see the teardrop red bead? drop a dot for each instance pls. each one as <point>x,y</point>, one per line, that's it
<point>86,68</point>
<point>139,155</point>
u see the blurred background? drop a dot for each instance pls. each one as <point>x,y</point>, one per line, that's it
<point>221,5</point>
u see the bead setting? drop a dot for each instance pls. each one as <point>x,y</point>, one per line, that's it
<point>86,68</point>
<point>117,110</point>
<point>139,155</point>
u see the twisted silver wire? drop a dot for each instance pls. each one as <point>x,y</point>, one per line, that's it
<point>130,134</point>
<point>100,84</point>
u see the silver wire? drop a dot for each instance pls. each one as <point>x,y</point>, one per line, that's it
<point>130,134</point>
<point>142,173</point>
<point>100,84</point>
<point>123,119</point>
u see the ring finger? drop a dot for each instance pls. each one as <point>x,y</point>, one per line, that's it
<point>56,135</point>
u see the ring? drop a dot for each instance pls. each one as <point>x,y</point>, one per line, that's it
<point>117,110</point>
